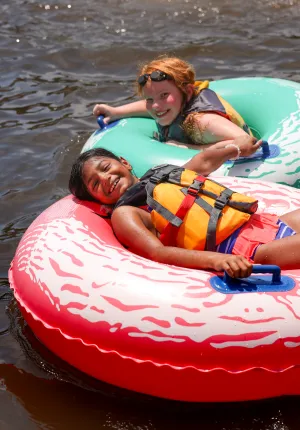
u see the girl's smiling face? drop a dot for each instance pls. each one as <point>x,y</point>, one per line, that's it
<point>107,179</point>
<point>163,101</point>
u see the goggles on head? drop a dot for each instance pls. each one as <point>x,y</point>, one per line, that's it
<point>155,76</point>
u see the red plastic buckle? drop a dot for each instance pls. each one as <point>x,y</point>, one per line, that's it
<point>192,191</point>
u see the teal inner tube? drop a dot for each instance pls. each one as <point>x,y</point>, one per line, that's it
<point>269,106</point>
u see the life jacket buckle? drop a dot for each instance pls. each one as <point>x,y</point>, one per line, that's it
<point>195,187</point>
<point>157,179</point>
<point>192,191</point>
<point>154,179</point>
<point>220,204</point>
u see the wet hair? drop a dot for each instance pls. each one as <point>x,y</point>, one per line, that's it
<point>76,185</point>
<point>181,72</point>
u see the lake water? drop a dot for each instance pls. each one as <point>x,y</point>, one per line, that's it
<point>57,59</point>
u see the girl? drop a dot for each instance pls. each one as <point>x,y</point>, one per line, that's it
<point>101,176</point>
<point>185,110</point>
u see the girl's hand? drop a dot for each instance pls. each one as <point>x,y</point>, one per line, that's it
<point>110,113</point>
<point>235,265</point>
<point>248,145</point>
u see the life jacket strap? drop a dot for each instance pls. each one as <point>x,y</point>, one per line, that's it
<point>169,234</point>
<point>200,202</point>
<point>161,173</point>
<point>216,212</point>
<point>196,186</point>
<point>164,212</point>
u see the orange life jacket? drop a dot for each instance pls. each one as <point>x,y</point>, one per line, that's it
<point>187,209</point>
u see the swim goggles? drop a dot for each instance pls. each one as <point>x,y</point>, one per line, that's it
<point>155,76</point>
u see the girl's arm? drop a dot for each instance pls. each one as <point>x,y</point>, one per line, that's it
<point>113,113</point>
<point>211,159</point>
<point>134,229</point>
<point>211,128</point>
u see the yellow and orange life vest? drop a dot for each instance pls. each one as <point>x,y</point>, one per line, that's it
<point>187,209</point>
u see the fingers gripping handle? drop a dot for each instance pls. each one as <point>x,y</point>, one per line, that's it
<point>265,149</point>
<point>257,268</point>
<point>101,123</point>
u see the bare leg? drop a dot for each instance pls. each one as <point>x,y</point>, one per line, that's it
<point>282,252</point>
<point>292,219</point>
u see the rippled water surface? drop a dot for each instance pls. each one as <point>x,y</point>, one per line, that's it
<point>57,59</point>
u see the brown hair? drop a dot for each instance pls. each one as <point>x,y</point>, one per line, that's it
<point>181,72</point>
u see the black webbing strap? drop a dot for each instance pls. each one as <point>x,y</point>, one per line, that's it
<point>161,174</point>
<point>161,210</point>
<point>216,212</point>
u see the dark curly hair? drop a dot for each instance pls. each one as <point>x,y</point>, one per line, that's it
<point>76,184</point>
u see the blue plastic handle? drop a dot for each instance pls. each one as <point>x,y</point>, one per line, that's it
<point>100,122</point>
<point>265,149</point>
<point>264,268</point>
